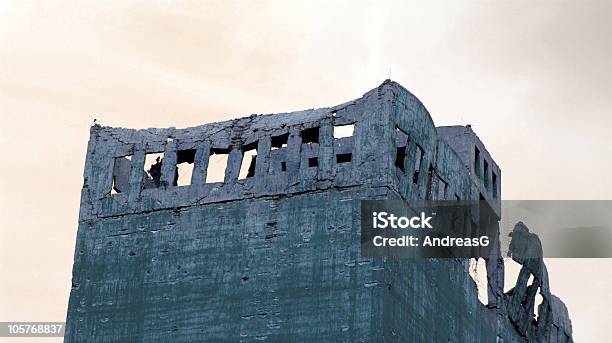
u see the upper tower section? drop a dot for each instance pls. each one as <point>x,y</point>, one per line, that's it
<point>485,174</point>
<point>386,138</point>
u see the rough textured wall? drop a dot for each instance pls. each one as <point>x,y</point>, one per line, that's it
<point>275,269</point>
<point>274,255</point>
<point>484,172</point>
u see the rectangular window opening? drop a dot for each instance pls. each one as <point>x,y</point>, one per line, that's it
<point>476,161</point>
<point>283,166</point>
<point>313,162</point>
<point>431,177</point>
<point>310,135</point>
<point>344,158</point>
<point>400,157</point>
<point>486,174</point>
<point>184,167</point>
<point>249,160</point>
<point>217,163</point>
<point>152,169</point>
<point>279,142</point>
<point>122,167</point>
<point>343,131</point>
<point>494,179</point>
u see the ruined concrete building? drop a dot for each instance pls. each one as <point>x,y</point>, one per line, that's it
<point>271,251</point>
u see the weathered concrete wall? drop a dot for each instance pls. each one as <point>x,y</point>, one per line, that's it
<point>269,268</point>
<point>484,173</point>
<point>274,256</point>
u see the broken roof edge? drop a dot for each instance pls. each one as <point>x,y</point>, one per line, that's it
<point>216,126</point>
<point>467,129</point>
<point>395,86</point>
<point>318,113</point>
<point>301,116</point>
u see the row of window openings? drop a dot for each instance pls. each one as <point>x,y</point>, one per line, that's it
<point>218,161</point>
<point>485,177</point>
<point>442,185</point>
<point>400,158</point>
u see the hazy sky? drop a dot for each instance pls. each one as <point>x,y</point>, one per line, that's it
<point>533,78</point>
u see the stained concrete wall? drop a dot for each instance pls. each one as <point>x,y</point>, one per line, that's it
<point>273,257</point>
<point>486,181</point>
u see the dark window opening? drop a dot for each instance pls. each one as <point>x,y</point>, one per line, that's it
<point>313,162</point>
<point>344,158</point>
<point>310,135</point>
<point>473,228</point>
<point>476,161</point>
<point>494,179</point>
<point>283,166</point>
<point>249,154</point>
<point>279,142</point>
<point>217,164</point>
<point>400,157</point>
<point>121,174</point>
<point>431,175</point>
<point>152,168</point>
<point>184,167</point>
<point>486,174</point>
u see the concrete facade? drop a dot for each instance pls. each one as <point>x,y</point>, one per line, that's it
<point>275,255</point>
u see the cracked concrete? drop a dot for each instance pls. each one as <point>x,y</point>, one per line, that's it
<point>276,256</point>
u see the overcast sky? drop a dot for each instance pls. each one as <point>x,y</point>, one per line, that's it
<point>533,78</point>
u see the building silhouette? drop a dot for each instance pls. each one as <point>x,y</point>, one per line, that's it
<point>270,251</point>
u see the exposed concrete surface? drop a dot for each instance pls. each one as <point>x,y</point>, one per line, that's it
<point>275,256</point>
